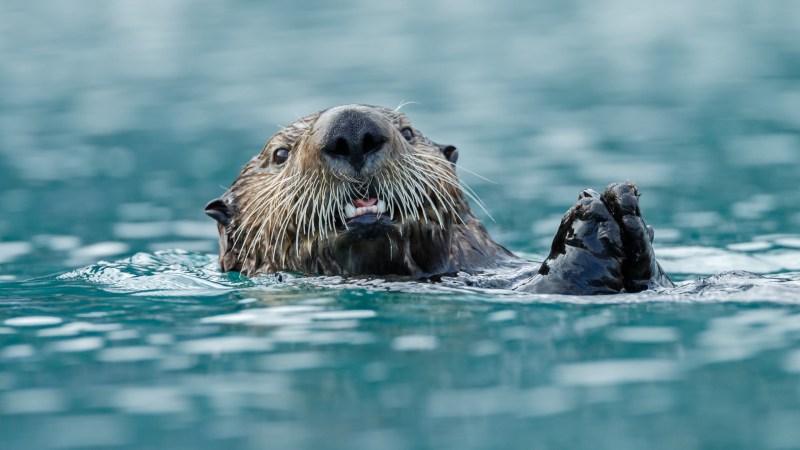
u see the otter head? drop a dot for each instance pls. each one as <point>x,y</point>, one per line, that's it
<point>352,190</point>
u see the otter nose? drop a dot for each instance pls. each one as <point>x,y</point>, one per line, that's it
<point>353,135</point>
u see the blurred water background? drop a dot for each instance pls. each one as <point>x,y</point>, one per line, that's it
<point>119,120</point>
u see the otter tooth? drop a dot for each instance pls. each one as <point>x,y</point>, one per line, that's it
<point>381,206</point>
<point>349,211</point>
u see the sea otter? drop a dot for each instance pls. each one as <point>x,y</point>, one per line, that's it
<point>358,190</point>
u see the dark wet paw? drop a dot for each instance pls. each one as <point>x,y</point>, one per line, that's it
<point>640,270</point>
<point>586,254</point>
<point>602,246</point>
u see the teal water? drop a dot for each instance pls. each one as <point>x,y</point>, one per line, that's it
<point>118,121</point>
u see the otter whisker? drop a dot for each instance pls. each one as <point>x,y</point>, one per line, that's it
<point>335,206</point>
<point>301,205</point>
<point>384,194</point>
<point>418,191</point>
<point>431,184</point>
<point>265,200</point>
<point>301,120</point>
<point>440,192</point>
<point>468,192</point>
<point>278,208</point>
<point>476,174</point>
<point>460,166</point>
<point>412,202</point>
<point>404,103</point>
<point>315,214</point>
<point>455,182</point>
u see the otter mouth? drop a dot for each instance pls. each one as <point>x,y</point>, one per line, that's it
<point>365,213</point>
<point>360,208</point>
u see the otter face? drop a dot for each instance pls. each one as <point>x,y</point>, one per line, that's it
<point>352,190</point>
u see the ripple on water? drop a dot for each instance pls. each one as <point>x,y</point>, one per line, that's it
<point>226,344</point>
<point>58,243</point>
<point>33,401</point>
<point>258,319</point>
<point>291,315</point>
<point>788,241</point>
<point>745,334</point>
<point>279,315</point>
<point>482,402</point>
<point>98,250</point>
<point>415,342</point>
<point>150,400</point>
<point>134,353</point>
<point>791,361</point>
<point>33,321</point>
<point>71,431</point>
<point>76,328</point>
<point>10,251</point>
<point>501,316</point>
<point>614,372</point>
<point>485,347</point>
<point>643,335</point>
<point>293,361</point>
<point>764,254</point>
<point>752,246</point>
<point>163,273</point>
<point>706,260</point>
<point>17,351</point>
<point>83,344</point>
<point>344,314</point>
<point>6,380</point>
<point>142,230</point>
<point>479,402</point>
<point>160,339</point>
<point>203,245</point>
<point>307,335</point>
<point>122,335</point>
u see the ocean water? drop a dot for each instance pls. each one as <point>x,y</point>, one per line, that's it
<point>120,120</point>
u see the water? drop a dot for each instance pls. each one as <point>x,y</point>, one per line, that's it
<point>118,121</point>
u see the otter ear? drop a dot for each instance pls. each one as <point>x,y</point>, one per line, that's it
<point>219,210</point>
<point>450,152</point>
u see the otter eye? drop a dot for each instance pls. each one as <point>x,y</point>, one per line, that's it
<point>407,133</point>
<point>280,156</point>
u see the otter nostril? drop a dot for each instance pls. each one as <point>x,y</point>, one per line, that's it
<point>370,144</point>
<point>342,148</point>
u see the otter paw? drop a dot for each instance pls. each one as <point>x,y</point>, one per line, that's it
<point>586,254</point>
<point>602,246</point>
<point>640,270</point>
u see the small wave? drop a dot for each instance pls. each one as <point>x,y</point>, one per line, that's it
<point>766,255</point>
<point>163,273</point>
<point>765,271</point>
